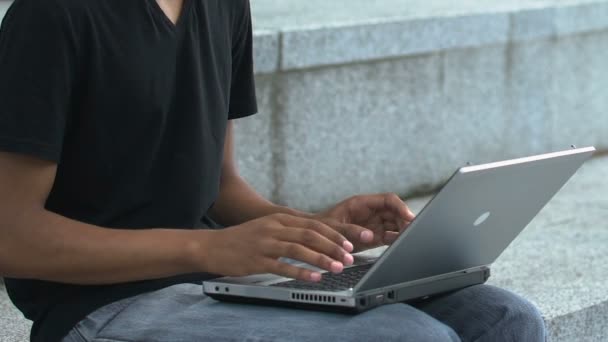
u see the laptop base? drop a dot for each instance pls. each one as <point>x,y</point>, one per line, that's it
<point>401,293</point>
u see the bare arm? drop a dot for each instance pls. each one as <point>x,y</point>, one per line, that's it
<point>238,202</point>
<point>367,221</point>
<point>36,243</point>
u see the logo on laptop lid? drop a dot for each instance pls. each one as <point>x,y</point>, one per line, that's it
<point>481,219</point>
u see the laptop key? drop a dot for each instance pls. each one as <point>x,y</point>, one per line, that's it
<point>331,282</point>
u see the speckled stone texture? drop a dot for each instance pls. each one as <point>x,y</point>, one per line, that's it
<point>318,32</point>
<point>370,140</point>
<point>266,51</point>
<point>13,327</point>
<point>405,124</point>
<point>377,40</point>
<point>382,96</point>
<point>254,141</point>
<point>578,101</point>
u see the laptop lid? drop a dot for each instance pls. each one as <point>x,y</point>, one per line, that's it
<point>474,217</point>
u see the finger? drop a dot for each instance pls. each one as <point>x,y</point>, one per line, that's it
<point>401,210</point>
<point>390,226</point>
<point>388,215</point>
<point>390,220</point>
<point>390,237</point>
<point>289,271</point>
<point>390,202</point>
<point>302,253</point>
<point>319,227</point>
<point>404,227</point>
<point>380,230</point>
<point>402,224</point>
<point>354,232</point>
<point>316,242</point>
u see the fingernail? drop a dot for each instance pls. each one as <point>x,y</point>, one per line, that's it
<point>315,276</point>
<point>336,267</point>
<point>348,246</point>
<point>367,236</point>
<point>348,259</point>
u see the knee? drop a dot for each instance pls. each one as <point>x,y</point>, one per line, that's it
<point>406,324</point>
<point>520,320</point>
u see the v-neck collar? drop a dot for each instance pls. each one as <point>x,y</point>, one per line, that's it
<point>180,20</point>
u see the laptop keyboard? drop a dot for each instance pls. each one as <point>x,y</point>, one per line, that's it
<point>330,281</point>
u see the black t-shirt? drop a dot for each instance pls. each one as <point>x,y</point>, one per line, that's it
<point>133,109</point>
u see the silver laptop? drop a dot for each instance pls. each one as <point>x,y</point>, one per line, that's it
<point>450,245</point>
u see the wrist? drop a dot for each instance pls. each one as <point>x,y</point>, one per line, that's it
<point>196,250</point>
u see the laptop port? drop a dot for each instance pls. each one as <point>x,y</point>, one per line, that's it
<point>390,295</point>
<point>362,301</point>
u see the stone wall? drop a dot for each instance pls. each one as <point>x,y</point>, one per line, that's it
<point>398,104</point>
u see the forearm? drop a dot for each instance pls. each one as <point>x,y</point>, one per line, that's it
<point>42,245</point>
<point>238,202</point>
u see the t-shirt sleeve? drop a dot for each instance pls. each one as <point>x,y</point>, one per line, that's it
<point>242,91</point>
<point>37,72</point>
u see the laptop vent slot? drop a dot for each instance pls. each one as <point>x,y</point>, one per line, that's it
<point>312,298</point>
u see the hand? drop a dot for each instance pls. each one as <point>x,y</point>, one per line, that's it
<point>256,246</point>
<point>369,221</point>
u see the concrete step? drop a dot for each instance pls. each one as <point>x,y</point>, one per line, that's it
<point>393,95</point>
<point>13,327</point>
<point>559,262</point>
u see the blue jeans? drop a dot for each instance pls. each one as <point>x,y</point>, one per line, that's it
<point>183,313</point>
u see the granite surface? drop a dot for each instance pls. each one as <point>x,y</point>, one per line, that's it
<point>318,32</point>
<point>13,327</point>
<point>578,100</point>
<point>317,13</point>
<point>266,51</point>
<point>304,48</point>
<point>405,124</point>
<point>300,34</point>
<point>529,73</point>
<point>341,127</point>
<point>254,141</point>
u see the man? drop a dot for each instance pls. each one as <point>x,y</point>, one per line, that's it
<point>117,146</point>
